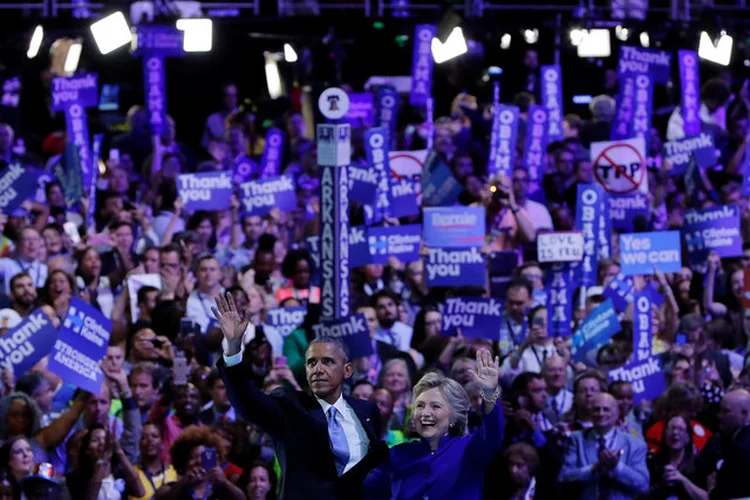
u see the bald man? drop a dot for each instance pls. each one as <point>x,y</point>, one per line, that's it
<point>605,462</point>
<point>734,422</point>
<point>555,373</point>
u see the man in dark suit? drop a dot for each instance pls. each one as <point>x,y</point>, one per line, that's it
<point>326,443</point>
<point>734,422</point>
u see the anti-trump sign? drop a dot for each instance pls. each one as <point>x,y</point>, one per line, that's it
<point>81,344</point>
<point>80,89</point>
<point>23,346</point>
<point>455,267</point>
<point>402,242</point>
<point>286,319</point>
<point>475,317</point>
<point>595,331</point>
<point>205,191</point>
<point>16,186</point>
<point>713,229</point>
<point>646,377</point>
<point>454,226</point>
<point>640,253</point>
<point>351,330</point>
<point>260,197</point>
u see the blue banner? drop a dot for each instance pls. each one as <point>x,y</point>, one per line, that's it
<point>650,61</point>
<point>96,154</point>
<point>80,89</point>
<point>334,244</point>
<point>439,187</point>
<point>361,110</point>
<point>81,344</point>
<point>386,113</point>
<point>455,267</point>
<point>642,325</point>
<point>690,89</point>
<point>205,191</point>
<point>620,291</point>
<point>623,208</point>
<point>402,242</point>
<point>67,170</point>
<point>376,149</point>
<point>403,197</point>
<point>595,331</point>
<point>421,65</point>
<point>552,98</point>
<point>641,252</point>
<point>270,162</point>
<point>259,197</point>
<point>644,106</point>
<point>454,226</point>
<point>163,40</point>
<point>154,80</point>
<point>476,317</point>
<point>622,125</point>
<point>634,107</point>
<point>23,346</point>
<point>286,319</point>
<point>559,300</point>
<point>714,229</point>
<point>535,152</point>
<point>351,330</point>
<point>363,183</point>
<point>359,247</point>
<point>701,147</point>
<point>646,377</point>
<point>505,156</point>
<point>591,218</point>
<point>77,125</point>
<point>495,131</point>
<point>16,186</point>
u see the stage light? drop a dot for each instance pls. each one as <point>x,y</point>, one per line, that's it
<point>73,57</point>
<point>719,51</point>
<point>595,43</point>
<point>290,55</point>
<point>505,41</point>
<point>273,78</point>
<point>645,40</point>
<point>622,34</point>
<point>111,33</point>
<point>531,36</point>
<point>36,42</point>
<point>198,34</point>
<point>576,36</point>
<point>454,46</point>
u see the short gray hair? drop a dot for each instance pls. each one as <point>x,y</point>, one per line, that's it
<point>458,400</point>
<point>388,365</point>
<point>340,345</point>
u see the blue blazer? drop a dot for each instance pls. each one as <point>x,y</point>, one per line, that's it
<point>626,481</point>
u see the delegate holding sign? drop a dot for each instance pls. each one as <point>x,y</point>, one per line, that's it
<point>640,253</point>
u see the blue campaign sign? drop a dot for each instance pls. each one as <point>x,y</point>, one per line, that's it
<point>205,191</point>
<point>476,317</point>
<point>595,331</point>
<point>22,347</point>
<point>352,330</point>
<point>260,197</point>
<point>363,183</point>
<point>402,242</point>
<point>552,97</point>
<point>16,186</point>
<point>361,109</point>
<point>640,253</point>
<point>642,321</point>
<point>359,247</point>
<point>454,227</point>
<point>653,291</point>
<point>640,60</point>
<point>623,208</point>
<point>646,377</point>
<point>82,89</point>
<point>286,319</point>
<point>439,187</point>
<point>81,344</point>
<point>559,288</point>
<point>714,229</point>
<point>386,111</point>
<point>620,291</point>
<point>421,64</point>
<point>701,147</point>
<point>162,40</point>
<point>270,163</point>
<point>403,197</point>
<point>455,267</point>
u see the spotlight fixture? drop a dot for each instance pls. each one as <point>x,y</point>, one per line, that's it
<point>111,32</point>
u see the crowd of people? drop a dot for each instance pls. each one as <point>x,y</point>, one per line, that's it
<point>203,398</point>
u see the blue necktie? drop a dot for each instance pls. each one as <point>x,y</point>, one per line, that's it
<point>339,444</point>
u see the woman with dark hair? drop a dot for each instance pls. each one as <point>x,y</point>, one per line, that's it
<point>259,482</point>
<point>194,481</point>
<point>298,268</point>
<point>204,225</point>
<point>426,338</point>
<point>90,281</point>
<point>521,464</point>
<point>16,461</point>
<point>104,471</point>
<point>58,290</point>
<point>672,469</point>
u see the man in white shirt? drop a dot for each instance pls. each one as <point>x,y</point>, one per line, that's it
<point>27,259</point>
<point>201,299</point>
<point>715,94</point>
<point>326,442</point>
<point>390,331</point>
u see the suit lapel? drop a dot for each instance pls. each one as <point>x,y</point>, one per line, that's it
<point>364,419</point>
<point>591,445</point>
